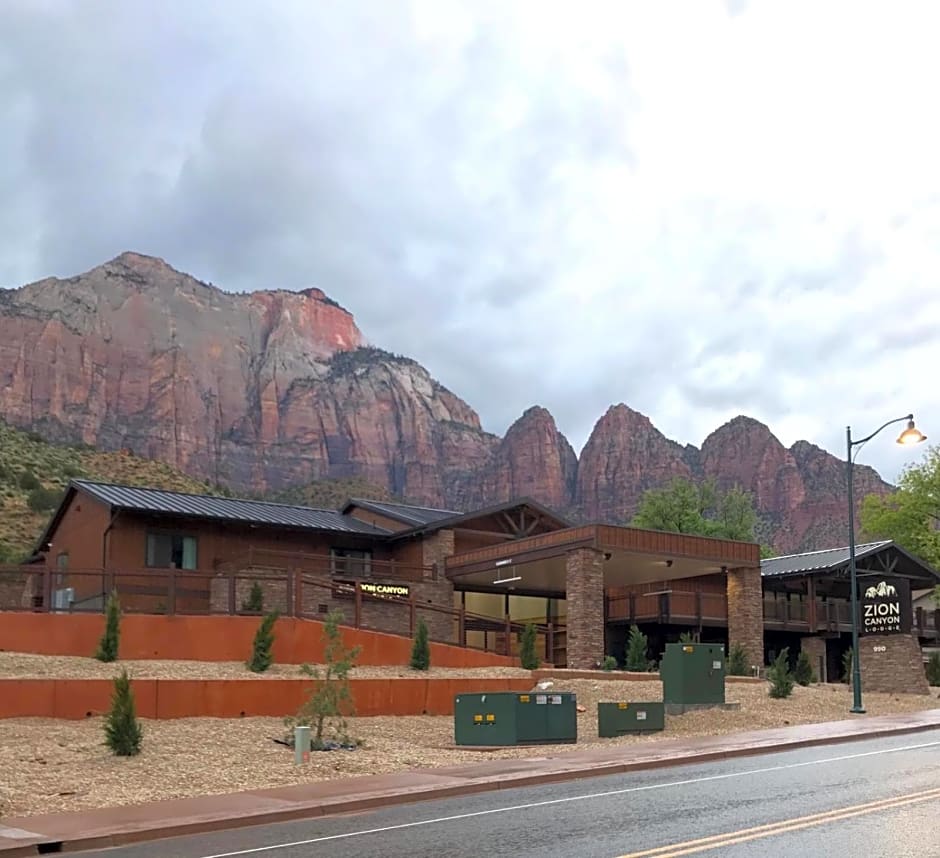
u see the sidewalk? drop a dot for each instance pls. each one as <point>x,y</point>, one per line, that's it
<point>116,826</point>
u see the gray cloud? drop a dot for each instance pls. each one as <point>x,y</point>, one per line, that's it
<point>538,207</point>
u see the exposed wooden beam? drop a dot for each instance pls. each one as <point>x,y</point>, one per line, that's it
<point>510,524</point>
<point>493,534</point>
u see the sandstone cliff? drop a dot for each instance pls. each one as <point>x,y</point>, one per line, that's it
<point>273,389</point>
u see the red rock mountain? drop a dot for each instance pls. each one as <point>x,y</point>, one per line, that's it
<point>272,389</point>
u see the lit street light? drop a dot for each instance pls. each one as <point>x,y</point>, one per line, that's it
<point>910,436</point>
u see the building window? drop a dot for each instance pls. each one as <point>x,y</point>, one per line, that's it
<point>348,561</point>
<point>171,549</point>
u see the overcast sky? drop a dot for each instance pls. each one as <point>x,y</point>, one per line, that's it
<point>701,209</point>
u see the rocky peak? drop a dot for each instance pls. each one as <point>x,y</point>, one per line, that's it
<point>624,456</point>
<point>533,460</point>
<point>744,452</point>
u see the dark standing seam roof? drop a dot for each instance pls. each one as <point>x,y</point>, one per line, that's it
<point>405,513</point>
<point>817,561</point>
<point>225,509</point>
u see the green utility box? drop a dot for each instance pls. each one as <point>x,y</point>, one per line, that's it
<point>616,719</point>
<point>693,674</point>
<point>510,718</point>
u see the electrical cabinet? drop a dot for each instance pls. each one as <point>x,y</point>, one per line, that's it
<point>511,718</point>
<point>616,719</point>
<point>693,674</point>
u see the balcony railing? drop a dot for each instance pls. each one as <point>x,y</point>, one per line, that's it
<point>678,607</point>
<point>376,605</point>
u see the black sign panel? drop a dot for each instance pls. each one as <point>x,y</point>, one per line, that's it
<point>885,606</point>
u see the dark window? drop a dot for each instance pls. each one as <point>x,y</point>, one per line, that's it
<point>347,561</point>
<point>171,549</point>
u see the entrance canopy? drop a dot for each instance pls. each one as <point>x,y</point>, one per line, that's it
<point>537,565</point>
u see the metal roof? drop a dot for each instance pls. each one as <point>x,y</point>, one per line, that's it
<point>161,502</point>
<point>405,513</point>
<point>818,561</point>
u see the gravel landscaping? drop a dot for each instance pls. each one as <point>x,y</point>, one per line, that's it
<point>15,665</point>
<point>53,766</point>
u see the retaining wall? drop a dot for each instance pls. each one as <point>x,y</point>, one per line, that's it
<point>75,699</point>
<point>202,638</point>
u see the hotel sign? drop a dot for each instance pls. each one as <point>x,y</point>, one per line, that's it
<point>886,607</point>
<point>370,590</point>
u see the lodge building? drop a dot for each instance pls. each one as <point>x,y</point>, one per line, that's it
<point>473,577</point>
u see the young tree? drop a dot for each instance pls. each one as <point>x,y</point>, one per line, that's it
<point>781,680</point>
<point>933,669</point>
<point>421,649</point>
<point>803,672</point>
<point>847,667</point>
<point>911,515</point>
<point>528,657</point>
<point>737,661</point>
<point>261,658</point>
<point>636,651</point>
<point>122,731</point>
<point>254,604</point>
<point>108,645</point>
<point>699,509</point>
<point>331,702</point>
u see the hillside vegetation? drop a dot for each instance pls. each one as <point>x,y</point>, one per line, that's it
<point>332,494</point>
<point>34,473</point>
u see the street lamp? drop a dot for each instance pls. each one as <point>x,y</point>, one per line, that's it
<point>910,436</point>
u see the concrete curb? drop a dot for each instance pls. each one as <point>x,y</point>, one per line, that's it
<point>66,832</point>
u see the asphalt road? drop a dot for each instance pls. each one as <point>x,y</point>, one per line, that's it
<point>877,799</point>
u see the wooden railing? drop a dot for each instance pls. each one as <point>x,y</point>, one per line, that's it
<point>292,592</point>
<point>674,606</point>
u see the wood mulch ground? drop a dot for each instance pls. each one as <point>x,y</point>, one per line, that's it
<point>50,766</point>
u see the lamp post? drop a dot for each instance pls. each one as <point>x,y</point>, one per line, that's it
<point>910,436</point>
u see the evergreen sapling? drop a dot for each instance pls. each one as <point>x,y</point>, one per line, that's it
<point>781,680</point>
<point>108,645</point>
<point>421,648</point>
<point>122,731</point>
<point>636,651</point>
<point>261,658</point>
<point>527,655</point>
<point>803,672</point>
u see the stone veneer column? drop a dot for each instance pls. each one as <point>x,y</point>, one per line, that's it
<point>437,588</point>
<point>897,670</point>
<point>435,548</point>
<point>584,596</point>
<point>746,613</point>
<point>815,648</point>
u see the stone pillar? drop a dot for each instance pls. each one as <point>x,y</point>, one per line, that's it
<point>898,669</point>
<point>746,613</point>
<point>435,548</point>
<point>584,594</point>
<point>815,648</point>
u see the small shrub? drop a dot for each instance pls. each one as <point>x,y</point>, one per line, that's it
<point>255,602</point>
<point>331,703</point>
<point>609,663</point>
<point>28,481</point>
<point>803,673</point>
<point>737,661</point>
<point>261,658</point>
<point>42,500</point>
<point>847,667</point>
<point>781,680</point>
<point>108,645</point>
<point>686,638</point>
<point>933,669</point>
<point>528,658</point>
<point>636,650</point>
<point>421,649</point>
<point>122,730</point>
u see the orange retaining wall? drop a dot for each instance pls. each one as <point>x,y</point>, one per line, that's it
<point>204,638</point>
<point>75,699</point>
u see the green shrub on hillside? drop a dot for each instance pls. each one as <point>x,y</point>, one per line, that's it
<point>43,500</point>
<point>28,481</point>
